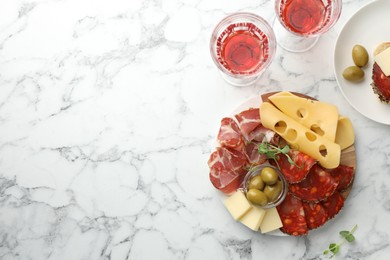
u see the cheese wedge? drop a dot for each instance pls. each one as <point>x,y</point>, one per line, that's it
<point>318,116</point>
<point>237,204</point>
<point>253,218</point>
<point>383,61</point>
<point>300,137</point>
<point>345,136</point>
<point>271,221</point>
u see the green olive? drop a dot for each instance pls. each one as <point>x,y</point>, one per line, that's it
<point>256,183</point>
<point>359,55</point>
<point>269,175</point>
<point>273,191</point>
<point>257,197</point>
<point>353,73</point>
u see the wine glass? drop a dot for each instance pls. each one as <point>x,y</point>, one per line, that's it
<point>242,46</point>
<point>301,22</point>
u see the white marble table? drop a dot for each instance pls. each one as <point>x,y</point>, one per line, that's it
<point>108,113</point>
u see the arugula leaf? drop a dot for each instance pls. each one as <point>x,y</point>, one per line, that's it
<point>347,235</point>
<point>272,152</point>
<point>334,248</point>
<point>350,238</point>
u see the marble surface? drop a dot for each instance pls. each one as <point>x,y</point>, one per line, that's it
<point>108,113</point>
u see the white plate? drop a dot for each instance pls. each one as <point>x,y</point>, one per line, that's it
<point>369,26</point>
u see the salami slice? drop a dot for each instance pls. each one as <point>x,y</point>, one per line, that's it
<point>298,171</point>
<point>292,215</point>
<point>248,120</point>
<point>343,175</point>
<point>227,168</point>
<point>251,152</point>
<point>229,134</point>
<point>315,214</point>
<point>317,186</point>
<point>333,204</point>
<point>381,84</point>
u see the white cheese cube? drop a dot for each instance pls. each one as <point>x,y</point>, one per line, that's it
<point>271,221</point>
<point>237,204</point>
<point>253,218</point>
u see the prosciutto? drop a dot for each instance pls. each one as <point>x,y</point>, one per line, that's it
<point>248,120</point>
<point>229,134</point>
<point>227,169</point>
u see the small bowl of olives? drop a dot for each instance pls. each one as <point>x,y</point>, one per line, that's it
<point>265,186</point>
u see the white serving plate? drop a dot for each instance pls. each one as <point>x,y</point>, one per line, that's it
<point>369,27</point>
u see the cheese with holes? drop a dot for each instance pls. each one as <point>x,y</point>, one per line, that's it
<point>300,137</point>
<point>318,116</point>
<point>345,136</point>
<point>383,61</point>
<point>253,218</point>
<point>237,204</point>
<point>271,221</point>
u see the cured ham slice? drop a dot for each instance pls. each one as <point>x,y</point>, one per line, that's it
<point>317,186</point>
<point>343,175</point>
<point>227,169</point>
<point>292,215</point>
<point>333,204</point>
<point>229,134</point>
<point>315,214</point>
<point>248,120</point>
<point>298,171</point>
<point>251,152</point>
<point>261,133</point>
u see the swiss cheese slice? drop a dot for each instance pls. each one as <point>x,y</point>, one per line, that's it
<point>237,204</point>
<point>300,137</point>
<point>318,116</point>
<point>383,61</point>
<point>345,136</point>
<point>253,218</point>
<point>271,221</point>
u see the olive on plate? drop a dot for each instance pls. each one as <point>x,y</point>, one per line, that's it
<point>359,55</point>
<point>353,73</point>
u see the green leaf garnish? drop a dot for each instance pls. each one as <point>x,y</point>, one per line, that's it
<point>350,238</point>
<point>344,233</point>
<point>272,152</point>
<point>334,248</point>
<point>346,236</point>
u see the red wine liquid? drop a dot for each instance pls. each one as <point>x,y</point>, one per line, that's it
<point>304,16</point>
<point>242,48</point>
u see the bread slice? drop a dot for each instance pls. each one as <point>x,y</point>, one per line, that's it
<point>377,89</point>
<point>381,47</point>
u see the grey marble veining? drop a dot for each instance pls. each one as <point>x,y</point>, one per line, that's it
<point>108,113</point>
